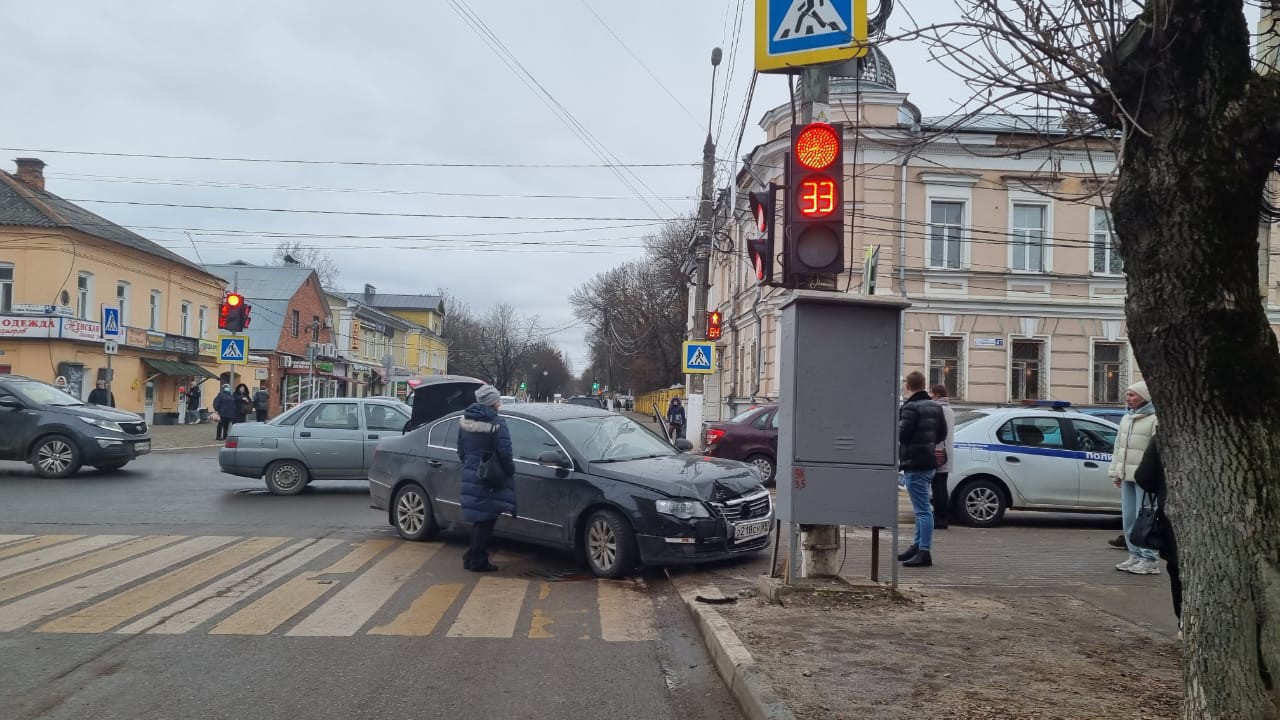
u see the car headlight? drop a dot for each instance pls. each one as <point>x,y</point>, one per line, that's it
<point>683,509</point>
<point>104,424</point>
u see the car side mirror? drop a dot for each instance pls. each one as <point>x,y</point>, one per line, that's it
<point>683,445</point>
<point>12,403</point>
<point>555,458</point>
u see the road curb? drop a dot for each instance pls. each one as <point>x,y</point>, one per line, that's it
<point>746,680</point>
<point>186,447</point>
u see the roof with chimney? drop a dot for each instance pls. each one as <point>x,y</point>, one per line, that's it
<point>382,301</point>
<point>25,205</point>
<point>268,290</point>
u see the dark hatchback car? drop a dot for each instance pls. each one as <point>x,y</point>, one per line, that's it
<point>584,401</point>
<point>587,480</point>
<point>751,436</point>
<point>58,434</point>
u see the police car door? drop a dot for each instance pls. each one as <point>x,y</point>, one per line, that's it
<point>1036,460</point>
<point>1095,442</point>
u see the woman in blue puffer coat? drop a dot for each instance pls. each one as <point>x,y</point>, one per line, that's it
<point>480,433</point>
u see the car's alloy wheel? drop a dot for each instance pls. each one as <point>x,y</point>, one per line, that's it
<point>610,544</point>
<point>55,457</point>
<point>765,465</point>
<point>982,503</point>
<point>286,477</point>
<point>602,543</point>
<point>412,515</point>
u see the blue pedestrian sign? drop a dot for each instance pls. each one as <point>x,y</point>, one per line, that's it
<point>233,349</point>
<point>699,357</point>
<point>791,34</point>
<point>110,322</point>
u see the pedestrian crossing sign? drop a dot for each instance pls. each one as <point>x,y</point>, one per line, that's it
<point>699,357</point>
<point>791,34</point>
<point>233,349</point>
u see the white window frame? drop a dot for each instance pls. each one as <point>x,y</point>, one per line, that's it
<point>1045,371</point>
<point>155,308</point>
<point>1110,240</point>
<point>949,188</point>
<point>6,287</point>
<point>1126,367</point>
<point>941,263</point>
<point>184,320</point>
<point>84,297</point>
<point>203,320</point>
<point>124,296</point>
<point>1023,197</point>
<point>962,364</point>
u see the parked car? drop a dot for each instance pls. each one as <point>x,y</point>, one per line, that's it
<point>587,480</point>
<point>751,436</point>
<point>324,439</point>
<point>1030,459</point>
<point>56,433</point>
<point>1108,414</point>
<point>585,401</point>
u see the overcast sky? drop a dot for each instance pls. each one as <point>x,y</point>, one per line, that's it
<point>396,82</point>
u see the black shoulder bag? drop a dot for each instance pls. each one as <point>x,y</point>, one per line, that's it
<point>1148,528</point>
<point>490,472</point>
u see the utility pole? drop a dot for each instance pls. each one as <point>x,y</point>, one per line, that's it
<point>702,254</point>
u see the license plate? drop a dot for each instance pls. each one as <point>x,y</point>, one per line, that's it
<point>746,531</point>
<point>141,448</point>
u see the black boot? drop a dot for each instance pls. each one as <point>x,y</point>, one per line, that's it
<point>908,553</point>
<point>922,559</point>
<point>1118,542</point>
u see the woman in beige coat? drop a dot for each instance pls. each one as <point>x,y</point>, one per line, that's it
<point>1137,428</point>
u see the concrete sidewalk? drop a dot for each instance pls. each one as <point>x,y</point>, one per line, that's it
<point>180,437</point>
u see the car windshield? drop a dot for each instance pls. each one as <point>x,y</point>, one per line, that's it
<point>612,438</point>
<point>968,416</point>
<point>42,394</point>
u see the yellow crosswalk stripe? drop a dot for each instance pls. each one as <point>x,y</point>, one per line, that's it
<point>48,556</point>
<point>115,610</point>
<point>424,614</point>
<point>492,609</point>
<point>6,539</point>
<point>278,606</point>
<point>626,612</point>
<point>34,543</point>
<point>44,577</point>
<point>345,613</point>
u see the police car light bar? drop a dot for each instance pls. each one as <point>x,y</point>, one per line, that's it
<point>1051,404</point>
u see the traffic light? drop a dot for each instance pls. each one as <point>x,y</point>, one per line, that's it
<point>760,250</point>
<point>595,388</point>
<point>523,385</point>
<point>713,325</point>
<point>233,314</point>
<point>814,211</point>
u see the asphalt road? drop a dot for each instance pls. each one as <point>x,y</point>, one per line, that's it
<point>168,590</point>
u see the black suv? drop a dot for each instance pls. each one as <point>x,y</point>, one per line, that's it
<point>57,433</point>
<point>586,401</point>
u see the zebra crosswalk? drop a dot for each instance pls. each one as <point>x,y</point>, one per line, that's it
<point>296,587</point>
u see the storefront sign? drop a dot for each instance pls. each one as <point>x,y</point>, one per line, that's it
<point>135,337</point>
<point>326,367</point>
<point>155,340</point>
<point>208,347</point>
<point>375,326</point>
<point>180,345</point>
<point>28,327</point>
<point>87,330</point>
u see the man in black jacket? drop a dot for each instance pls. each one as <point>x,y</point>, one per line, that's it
<point>921,426</point>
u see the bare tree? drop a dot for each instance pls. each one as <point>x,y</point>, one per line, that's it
<point>491,347</point>
<point>1197,133</point>
<point>293,252</point>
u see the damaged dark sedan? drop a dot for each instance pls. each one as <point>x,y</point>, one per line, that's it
<point>587,480</point>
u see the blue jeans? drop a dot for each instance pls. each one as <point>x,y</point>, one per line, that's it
<point>919,484</point>
<point>1131,497</point>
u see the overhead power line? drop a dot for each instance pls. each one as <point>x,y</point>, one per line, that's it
<point>362,213</point>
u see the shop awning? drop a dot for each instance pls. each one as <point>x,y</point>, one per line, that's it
<point>177,369</point>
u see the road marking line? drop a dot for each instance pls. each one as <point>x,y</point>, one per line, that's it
<point>104,615</point>
<point>6,539</point>
<point>203,605</point>
<point>57,553</point>
<point>424,614</point>
<point>626,612</point>
<point>492,609</point>
<point>41,605</point>
<point>34,543</point>
<point>346,612</point>
<point>276,607</point>
<point>44,577</point>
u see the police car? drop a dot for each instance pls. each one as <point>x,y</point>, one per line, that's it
<point>1042,456</point>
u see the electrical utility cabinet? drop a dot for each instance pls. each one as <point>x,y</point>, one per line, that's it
<point>841,373</point>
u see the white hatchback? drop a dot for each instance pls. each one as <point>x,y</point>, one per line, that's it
<point>1030,459</point>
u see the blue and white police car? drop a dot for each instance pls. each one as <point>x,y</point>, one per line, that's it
<point>1042,456</point>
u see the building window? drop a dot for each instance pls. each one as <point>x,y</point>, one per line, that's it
<point>1028,237</point>
<point>185,320</point>
<point>122,301</point>
<point>946,229</point>
<point>295,320</point>
<point>154,322</point>
<point>1026,370</point>
<point>1109,373</point>
<point>1106,261</point>
<point>6,287</point>
<point>203,320</point>
<point>944,364</point>
<point>84,295</point>
<point>315,328</point>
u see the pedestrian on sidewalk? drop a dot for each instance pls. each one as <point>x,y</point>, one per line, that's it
<point>225,406</point>
<point>244,403</point>
<point>1150,477</point>
<point>943,453</point>
<point>482,436</point>
<point>921,427</point>
<point>1137,428</point>
<point>261,403</point>
<point>676,418</point>
<point>100,395</point>
<point>193,405</point>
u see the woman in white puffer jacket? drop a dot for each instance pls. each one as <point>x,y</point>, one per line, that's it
<point>1137,428</point>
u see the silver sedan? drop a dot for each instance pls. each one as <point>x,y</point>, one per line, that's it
<point>328,439</point>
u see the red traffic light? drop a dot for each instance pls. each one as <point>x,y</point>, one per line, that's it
<point>817,146</point>
<point>713,325</point>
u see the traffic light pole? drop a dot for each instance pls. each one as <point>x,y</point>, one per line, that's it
<point>694,411</point>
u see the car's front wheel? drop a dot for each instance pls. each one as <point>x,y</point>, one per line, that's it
<point>980,503</point>
<point>286,477</point>
<point>55,457</point>
<point>610,544</point>
<point>411,511</point>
